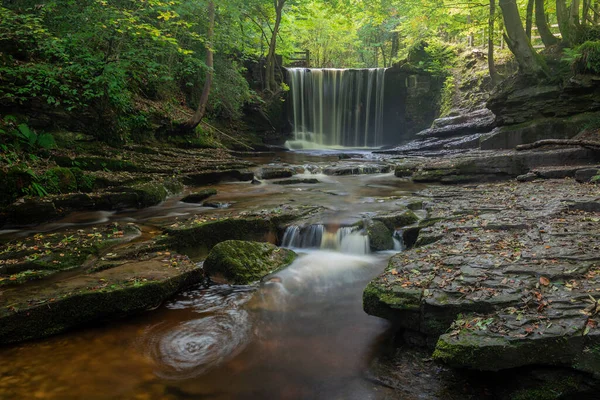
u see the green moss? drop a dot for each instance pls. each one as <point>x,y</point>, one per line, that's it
<point>242,263</point>
<point>399,220</point>
<point>85,306</point>
<point>208,234</point>
<point>59,180</point>
<point>595,179</point>
<point>380,237</point>
<point>447,96</point>
<point>85,182</point>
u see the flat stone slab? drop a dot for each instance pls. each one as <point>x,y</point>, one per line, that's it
<point>357,169</point>
<point>507,276</point>
<point>76,278</point>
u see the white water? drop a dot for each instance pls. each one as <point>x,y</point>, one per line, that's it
<point>335,108</point>
<point>345,239</point>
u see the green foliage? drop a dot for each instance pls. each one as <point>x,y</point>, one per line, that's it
<point>585,58</point>
<point>447,95</point>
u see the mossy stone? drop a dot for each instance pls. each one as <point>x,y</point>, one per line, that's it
<point>242,263</point>
<point>380,237</point>
<point>59,180</point>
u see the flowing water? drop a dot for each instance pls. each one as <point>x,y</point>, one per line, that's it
<point>337,107</point>
<point>300,334</point>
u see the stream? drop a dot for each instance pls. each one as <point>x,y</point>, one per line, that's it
<point>300,334</point>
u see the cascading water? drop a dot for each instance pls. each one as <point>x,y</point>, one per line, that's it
<point>337,107</point>
<point>346,239</point>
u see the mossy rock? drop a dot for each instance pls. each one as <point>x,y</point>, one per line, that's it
<point>63,306</point>
<point>97,164</point>
<point>208,234</point>
<point>85,182</point>
<point>59,180</point>
<point>242,263</point>
<point>380,237</point>
<point>399,305</point>
<point>397,220</point>
<point>199,196</point>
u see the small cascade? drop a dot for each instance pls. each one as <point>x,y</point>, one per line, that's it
<point>399,240</point>
<point>337,107</point>
<point>346,239</point>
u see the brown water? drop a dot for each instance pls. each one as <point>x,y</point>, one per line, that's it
<point>300,335</point>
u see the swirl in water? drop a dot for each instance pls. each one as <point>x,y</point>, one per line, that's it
<point>193,347</point>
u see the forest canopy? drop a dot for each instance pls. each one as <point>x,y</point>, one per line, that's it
<point>119,61</point>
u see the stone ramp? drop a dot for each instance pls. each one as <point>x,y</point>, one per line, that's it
<point>510,277</point>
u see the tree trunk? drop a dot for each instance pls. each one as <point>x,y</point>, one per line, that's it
<point>491,65</point>
<point>529,18</point>
<point>542,24</point>
<point>528,60</point>
<point>271,56</point>
<point>201,110</point>
<point>586,11</point>
<point>567,30</point>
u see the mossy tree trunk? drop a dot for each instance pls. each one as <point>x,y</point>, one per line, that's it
<point>529,18</point>
<point>567,29</point>
<point>542,24</point>
<point>518,42</point>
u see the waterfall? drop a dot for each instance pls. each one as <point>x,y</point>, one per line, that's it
<point>337,107</point>
<point>346,239</point>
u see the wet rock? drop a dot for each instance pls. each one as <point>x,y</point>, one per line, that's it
<point>503,284</point>
<point>199,196</point>
<point>255,181</point>
<point>353,169</point>
<point>311,181</point>
<point>274,173</point>
<point>113,293</point>
<point>201,233</point>
<point>380,237</point>
<point>243,262</point>
<point>394,221</point>
<point>210,177</point>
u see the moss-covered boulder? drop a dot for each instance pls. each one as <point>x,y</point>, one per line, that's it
<point>199,196</point>
<point>59,180</point>
<point>380,237</point>
<point>242,263</point>
<point>274,173</point>
<point>397,220</point>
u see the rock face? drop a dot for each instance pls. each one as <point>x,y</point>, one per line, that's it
<point>242,263</point>
<point>480,121</point>
<point>508,276</point>
<point>519,102</point>
<point>481,166</point>
<point>510,136</point>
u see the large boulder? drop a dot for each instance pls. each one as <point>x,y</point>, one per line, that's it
<point>241,263</point>
<point>274,173</point>
<point>394,221</point>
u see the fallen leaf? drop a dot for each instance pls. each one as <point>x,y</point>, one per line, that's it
<point>544,281</point>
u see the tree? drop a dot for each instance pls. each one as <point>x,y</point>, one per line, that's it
<point>491,66</point>
<point>271,60</point>
<point>193,122</point>
<point>518,42</point>
<point>542,24</point>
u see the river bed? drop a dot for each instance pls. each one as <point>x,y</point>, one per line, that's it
<point>301,334</point>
